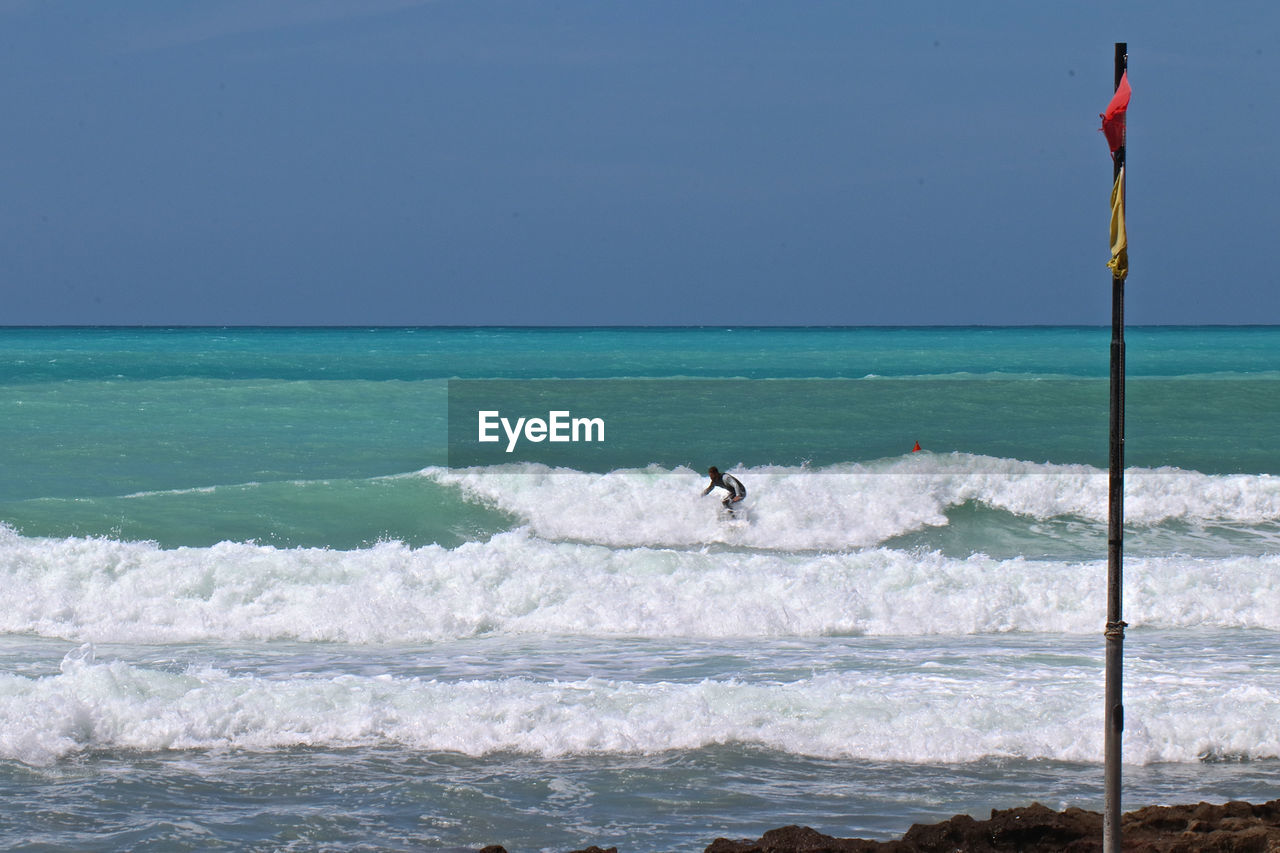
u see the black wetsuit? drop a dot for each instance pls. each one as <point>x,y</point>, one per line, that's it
<point>731,484</point>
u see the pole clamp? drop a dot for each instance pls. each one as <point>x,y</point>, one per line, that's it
<point>1115,630</point>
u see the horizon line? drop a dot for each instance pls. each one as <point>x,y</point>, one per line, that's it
<point>622,326</point>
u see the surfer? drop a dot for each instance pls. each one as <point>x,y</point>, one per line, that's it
<point>728,482</point>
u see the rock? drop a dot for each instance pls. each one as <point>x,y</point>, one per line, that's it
<point>793,839</point>
<point>1033,829</point>
<point>1229,828</point>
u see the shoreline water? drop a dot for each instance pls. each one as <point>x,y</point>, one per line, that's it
<point>388,799</point>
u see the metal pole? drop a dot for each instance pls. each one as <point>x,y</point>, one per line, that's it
<point>1115,543</point>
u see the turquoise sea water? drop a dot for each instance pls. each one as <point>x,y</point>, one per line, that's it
<point>248,603</point>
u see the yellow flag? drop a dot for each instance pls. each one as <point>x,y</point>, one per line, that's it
<point>1119,262</point>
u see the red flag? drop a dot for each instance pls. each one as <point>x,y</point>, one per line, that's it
<point>1113,118</point>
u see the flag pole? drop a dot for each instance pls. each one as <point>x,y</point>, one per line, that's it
<point>1115,536</point>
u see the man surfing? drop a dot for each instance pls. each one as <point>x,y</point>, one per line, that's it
<point>728,482</point>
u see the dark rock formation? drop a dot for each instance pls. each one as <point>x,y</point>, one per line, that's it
<point>797,838</point>
<point>1230,828</point>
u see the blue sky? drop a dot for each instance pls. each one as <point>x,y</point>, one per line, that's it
<point>595,162</point>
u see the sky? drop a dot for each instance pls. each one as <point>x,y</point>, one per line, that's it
<point>588,162</point>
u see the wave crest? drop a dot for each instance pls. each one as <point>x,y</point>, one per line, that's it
<point>918,715</point>
<point>520,584</point>
<point>849,505</point>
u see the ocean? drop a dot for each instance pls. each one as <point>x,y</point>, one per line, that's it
<point>265,589</point>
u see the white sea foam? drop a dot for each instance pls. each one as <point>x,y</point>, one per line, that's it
<point>519,584</point>
<point>848,505</point>
<point>921,715</point>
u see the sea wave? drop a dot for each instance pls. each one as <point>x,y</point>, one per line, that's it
<point>850,505</point>
<point>517,583</point>
<point>923,715</point>
<point>994,505</point>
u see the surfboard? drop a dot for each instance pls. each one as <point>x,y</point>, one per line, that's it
<point>737,515</point>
